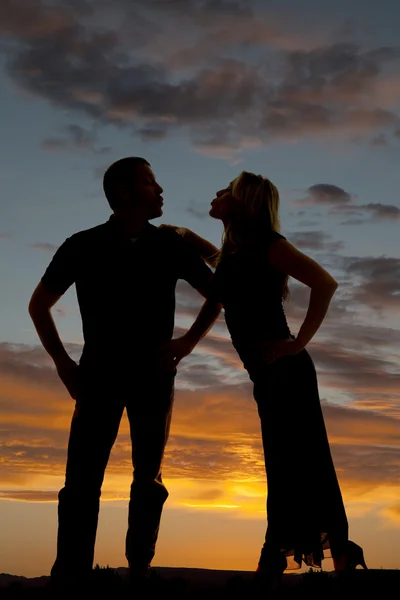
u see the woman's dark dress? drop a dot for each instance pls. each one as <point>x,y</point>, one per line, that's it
<point>304,504</point>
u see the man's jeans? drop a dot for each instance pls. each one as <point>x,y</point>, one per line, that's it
<point>94,428</point>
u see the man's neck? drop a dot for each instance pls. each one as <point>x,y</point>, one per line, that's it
<point>131,225</point>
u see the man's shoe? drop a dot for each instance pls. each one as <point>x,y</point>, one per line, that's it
<point>139,579</point>
<point>140,571</point>
<point>61,588</point>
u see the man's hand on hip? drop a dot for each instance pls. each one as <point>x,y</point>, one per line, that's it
<point>67,370</point>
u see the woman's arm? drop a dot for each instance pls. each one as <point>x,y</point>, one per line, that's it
<point>203,247</point>
<point>284,257</point>
<point>206,249</point>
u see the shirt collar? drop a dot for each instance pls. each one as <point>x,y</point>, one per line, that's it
<point>117,230</point>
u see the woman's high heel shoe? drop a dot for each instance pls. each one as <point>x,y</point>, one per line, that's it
<point>351,559</point>
<point>355,557</point>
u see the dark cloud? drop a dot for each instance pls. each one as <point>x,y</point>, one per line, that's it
<point>134,71</point>
<point>46,246</point>
<point>32,454</point>
<point>382,211</point>
<point>80,136</point>
<point>189,302</point>
<point>54,144</point>
<point>150,134</point>
<point>341,202</point>
<point>198,213</point>
<point>213,365</point>
<point>315,240</point>
<point>341,326</point>
<point>306,222</point>
<point>369,465</point>
<point>31,364</point>
<point>344,367</point>
<point>326,193</point>
<point>26,363</point>
<point>76,137</point>
<point>32,19</point>
<point>195,374</point>
<point>374,442</point>
<point>195,458</point>
<point>361,214</point>
<point>379,286</point>
<point>379,140</point>
<point>363,337</point>
<point>353,222</point>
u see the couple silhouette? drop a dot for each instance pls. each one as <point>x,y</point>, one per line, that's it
<point>125,272</point>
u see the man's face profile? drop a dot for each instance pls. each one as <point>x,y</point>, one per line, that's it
<point>145,193</point>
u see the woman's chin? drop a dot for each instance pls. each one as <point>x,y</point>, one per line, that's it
<point>212,213</point>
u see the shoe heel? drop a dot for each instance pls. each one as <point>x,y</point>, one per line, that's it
<point>355,557</point>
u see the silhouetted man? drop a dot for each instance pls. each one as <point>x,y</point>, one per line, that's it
<point>125,272</point>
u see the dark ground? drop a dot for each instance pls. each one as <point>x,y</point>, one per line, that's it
<point>209,584</point>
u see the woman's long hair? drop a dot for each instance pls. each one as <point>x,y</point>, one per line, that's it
<point>256,216</point>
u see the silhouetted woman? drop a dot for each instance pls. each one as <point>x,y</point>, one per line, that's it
<point>304,503</point>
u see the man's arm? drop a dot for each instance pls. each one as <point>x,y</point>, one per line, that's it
<point>58,277</point>
<point>40,304</point>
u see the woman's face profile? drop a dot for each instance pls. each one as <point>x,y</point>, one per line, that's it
<point>224,205</point>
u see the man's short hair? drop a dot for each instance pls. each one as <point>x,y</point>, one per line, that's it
<point>120,173</point>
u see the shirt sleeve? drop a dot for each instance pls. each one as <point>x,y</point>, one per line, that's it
<point>192,268</point>
<point>61,272</point>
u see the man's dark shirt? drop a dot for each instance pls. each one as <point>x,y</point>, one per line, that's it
<point>125,289</point>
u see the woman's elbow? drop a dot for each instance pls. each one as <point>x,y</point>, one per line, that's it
<point>32,304</point>
<point>34,308</point>
<point>327,285</point>
<point>331,286</point>
<point>334,284</point>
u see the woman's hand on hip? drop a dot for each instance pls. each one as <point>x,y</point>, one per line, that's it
<point>275,349</point>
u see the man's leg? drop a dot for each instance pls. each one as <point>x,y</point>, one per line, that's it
<point>149,417</point>
<point>94,428</point>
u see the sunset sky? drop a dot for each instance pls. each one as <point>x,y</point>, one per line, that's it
<point>203,89</point>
